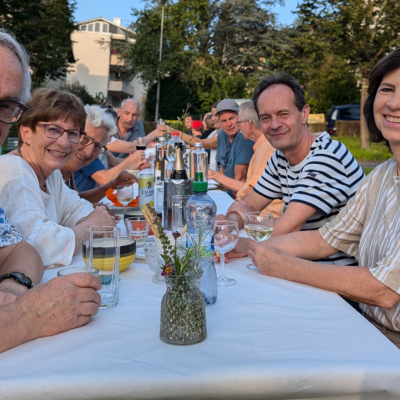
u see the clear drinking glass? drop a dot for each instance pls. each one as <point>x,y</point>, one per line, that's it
<point>125,194</point>
<point>75,270</point>
<point>137,228</point>
<point>259,226</point>
<point>226,236</point>
<point>179,211</point>
<point>160,122</point>
<point>100,251</point>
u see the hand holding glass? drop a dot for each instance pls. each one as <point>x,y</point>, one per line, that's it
<point>125,194</point>
<point>226,236</point>
<point>259,226</point>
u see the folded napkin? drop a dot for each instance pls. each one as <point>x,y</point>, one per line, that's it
<point>113,197</point>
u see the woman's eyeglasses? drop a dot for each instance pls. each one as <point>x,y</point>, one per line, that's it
<point>11,111</point>
<point>54,132</point>
<point>98,147</point>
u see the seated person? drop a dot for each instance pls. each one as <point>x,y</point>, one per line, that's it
<point>29,314</point>
<point>188,124</point>
<point>316,176</point>
<point>208,126</point>
<point>48,215</point>
<point>99,126</point>
<point>368,227</point>
<point>250,126</point>
<point>197,128</point>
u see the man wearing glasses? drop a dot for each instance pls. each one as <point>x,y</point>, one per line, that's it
<point>27,313</point>
<point>234,152</point>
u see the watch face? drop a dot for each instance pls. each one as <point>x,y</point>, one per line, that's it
<point>23,279</point>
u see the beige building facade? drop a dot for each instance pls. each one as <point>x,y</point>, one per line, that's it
<point>98,66</point>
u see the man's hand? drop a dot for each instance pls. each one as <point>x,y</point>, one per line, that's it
<point>212,174</point>
<point>269,260</point>
<point>240,207</point>
<point>61,304</point>
<point>99,217</point>
<point>124,178</point>
<point>163,128</point>
<point>241,250</point>
<point>142,165</point>
<point>137,156</point>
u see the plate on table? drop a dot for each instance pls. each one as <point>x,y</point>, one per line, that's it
<point>116,209</point>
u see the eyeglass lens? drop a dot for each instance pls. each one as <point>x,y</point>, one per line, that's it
<point>10,111</point>
<point>54,132</point>
<point>98,147</point>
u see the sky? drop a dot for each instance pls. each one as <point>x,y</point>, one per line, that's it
<point>88,9</point>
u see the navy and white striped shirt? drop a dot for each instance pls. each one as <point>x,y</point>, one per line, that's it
<point>325,180</point>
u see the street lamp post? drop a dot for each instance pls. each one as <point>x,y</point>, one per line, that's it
<point>160,58</point>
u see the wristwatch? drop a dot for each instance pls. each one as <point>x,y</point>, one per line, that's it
<point>18,277</point>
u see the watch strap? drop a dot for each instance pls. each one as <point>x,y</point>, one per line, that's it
<point>18,277</point>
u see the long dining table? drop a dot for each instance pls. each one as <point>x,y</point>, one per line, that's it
<point>267,339</point>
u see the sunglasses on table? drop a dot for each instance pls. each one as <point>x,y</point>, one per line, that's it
<point>11,111</point>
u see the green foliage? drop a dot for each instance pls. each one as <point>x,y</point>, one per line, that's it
<point>82,92</point>
<point>214,48</point>
<point>377,152</point>
<point>44,28</point>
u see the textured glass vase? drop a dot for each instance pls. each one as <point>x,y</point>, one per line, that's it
<point>183,311</point>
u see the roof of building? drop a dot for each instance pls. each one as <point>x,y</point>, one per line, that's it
<point>104,20</point>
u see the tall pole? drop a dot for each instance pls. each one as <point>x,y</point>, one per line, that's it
<point>160,58</point>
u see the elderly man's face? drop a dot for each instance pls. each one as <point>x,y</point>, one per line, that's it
<point>188,122</point>
<point>129,114</point>
<point>86,154</point>
<point>228,120</point>
<point>11,83</point>
<point>282,123</point>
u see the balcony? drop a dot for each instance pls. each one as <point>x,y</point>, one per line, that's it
<point>120,87</point>
<point>116,61</point>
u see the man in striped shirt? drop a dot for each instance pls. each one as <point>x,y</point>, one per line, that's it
<point>316,176</point>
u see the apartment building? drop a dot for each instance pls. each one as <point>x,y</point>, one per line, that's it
<point>98,65</point>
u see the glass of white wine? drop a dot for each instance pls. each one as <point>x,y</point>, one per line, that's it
<point>226,236</point>
<point>259,226</point>
<point>125,194</point>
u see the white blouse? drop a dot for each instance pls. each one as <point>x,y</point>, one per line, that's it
<point>43,219</point>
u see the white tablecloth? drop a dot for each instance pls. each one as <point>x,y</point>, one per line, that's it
<point>267,339</point>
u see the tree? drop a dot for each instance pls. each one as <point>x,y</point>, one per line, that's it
<point>44,27</point>
<point>359,31</point>
<point>216,49</point>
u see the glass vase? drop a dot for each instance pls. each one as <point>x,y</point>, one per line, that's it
<point>183,311</point>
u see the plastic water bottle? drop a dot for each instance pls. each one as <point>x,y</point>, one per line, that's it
<point>200,212</point>
<point>199,161</point>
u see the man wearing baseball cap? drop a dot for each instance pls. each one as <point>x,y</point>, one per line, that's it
<point>234,152</point>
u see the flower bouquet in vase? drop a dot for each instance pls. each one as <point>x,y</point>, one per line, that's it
<point>183,310</point>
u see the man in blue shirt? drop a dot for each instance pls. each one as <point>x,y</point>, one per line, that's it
<point>234,152</point>
<point>129,126</point>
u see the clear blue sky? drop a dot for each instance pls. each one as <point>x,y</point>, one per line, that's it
<point>88,9</point>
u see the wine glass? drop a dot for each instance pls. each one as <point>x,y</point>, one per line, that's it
<point>160,122</point>
<point>226,236</point>
<point>259,226</point>
<point>125,194</point>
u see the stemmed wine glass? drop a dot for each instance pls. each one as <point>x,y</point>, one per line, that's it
<point>125,195</point>
<point>259,226</point>
<point>226,236</point>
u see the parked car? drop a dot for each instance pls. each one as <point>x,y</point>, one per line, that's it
<point>348,112</point>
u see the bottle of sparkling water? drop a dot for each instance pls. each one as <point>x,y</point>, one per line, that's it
<point>200,213</point>
<point>146,187</point>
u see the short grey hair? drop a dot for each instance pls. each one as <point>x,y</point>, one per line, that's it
<point>249,112</point>
<point>98,117</point>
<point>124,101</point>
<point>8,41</point>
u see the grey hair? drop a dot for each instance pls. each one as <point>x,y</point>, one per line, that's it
<point>8,41</point>
<point>98,117</point>
<point>124,101</point>
<point>249,112</point>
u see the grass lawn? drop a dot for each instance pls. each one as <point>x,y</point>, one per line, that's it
<point>377,151</point>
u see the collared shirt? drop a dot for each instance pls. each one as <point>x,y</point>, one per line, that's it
<point>369,228</point>
<point>83,179</point>
<point>325,180</point>
<point>9,235</point>
<point>240,152</point>
<point>134,133</point>
<point>263,151</point>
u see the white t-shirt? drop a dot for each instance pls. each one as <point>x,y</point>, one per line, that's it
<point>43,219</point>
<point>325,180</point>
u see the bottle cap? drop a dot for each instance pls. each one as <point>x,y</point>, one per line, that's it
<point>175,133</point>
<point>200,186</point>
<point>198,145</point>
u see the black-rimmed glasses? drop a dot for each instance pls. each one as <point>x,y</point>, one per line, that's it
<point>54,132</point>
<point>11,111</point>
<point>98,147</point>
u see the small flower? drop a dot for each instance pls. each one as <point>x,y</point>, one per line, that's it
<point>188,104</point>
<point>176,235</point>
<point>162,234</point>
<point>168,269</point>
